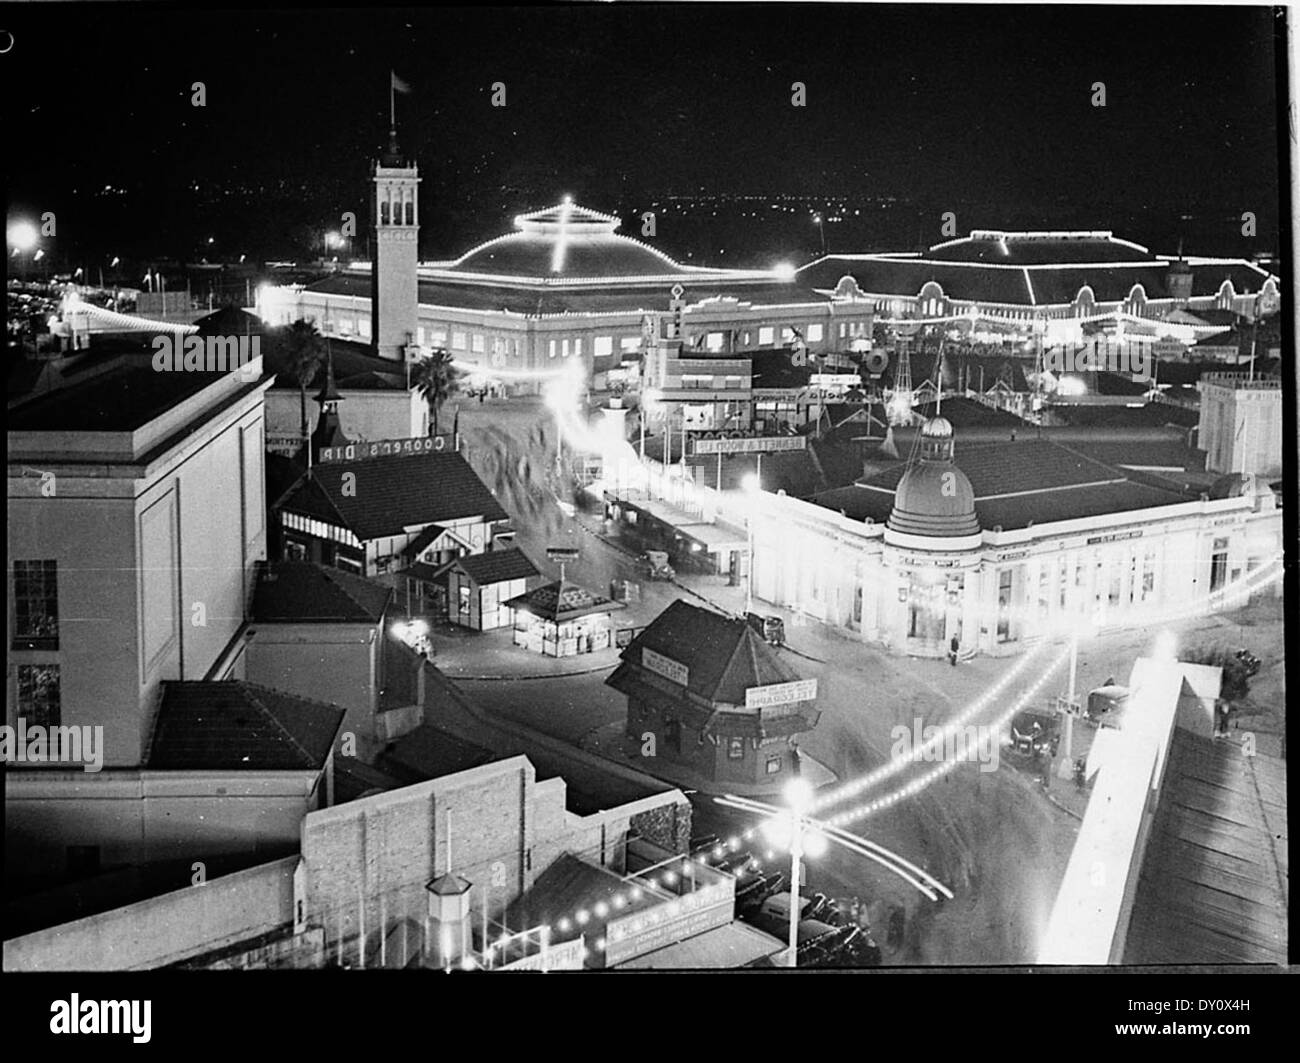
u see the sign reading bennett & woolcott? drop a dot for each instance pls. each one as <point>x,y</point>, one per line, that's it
<point>781,694</point>
<point>666,667</point>
<point>380,448</point>
<point>752,445</point>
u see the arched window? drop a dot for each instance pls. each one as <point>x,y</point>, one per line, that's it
<point>383,212</point>
<point>410,212</point>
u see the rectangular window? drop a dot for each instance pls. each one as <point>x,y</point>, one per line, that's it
<point>787,335</point>
<point>552,348</point>
<point>766,335</point>
<point>438,338</point>
<point>564,348</point>
<point>419,335</point>
<point>604,346</point>
<point>38,694</point>
<point>629,344</point>
<point>577,347</point>
<point>745,339</point>
<point>458,341</point>
<point>843,330</point>
<point>815,333</point>
<point>1004,605</point>
<point>36,605</point>
<point>477,343</point>
<point>773,765</point>
<point>384,212</point>
<point>713,341</point>
<point>1148,575</point>
<point>735,382</point>
<point>735,749</point>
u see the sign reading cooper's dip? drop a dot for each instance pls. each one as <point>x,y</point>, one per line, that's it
<point>379,448</point>
<point>781,694</point>
<point>666,667</point>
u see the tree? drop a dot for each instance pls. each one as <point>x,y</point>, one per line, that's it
<point>301,351</point>
<point>437,380</point>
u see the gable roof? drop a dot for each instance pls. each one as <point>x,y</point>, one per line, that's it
<point>390,494</point>
<point>496,566</point>
<point>235,725</point>
<point>724,655</point>
<point>300,591</point>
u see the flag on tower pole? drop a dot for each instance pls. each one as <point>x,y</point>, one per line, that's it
<point>395,86</point>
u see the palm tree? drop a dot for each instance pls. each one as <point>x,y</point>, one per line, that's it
<point>302,349</point>
<point>437,380</point>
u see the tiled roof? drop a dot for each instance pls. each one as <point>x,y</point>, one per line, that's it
<point>963,412</point>
<point>562,601</point>
<point>724,655</point>
<point>304,592</point>
<point>1030,481</point>
<point>234,725</point>
<point>389,494</point>
<point>497,566</point>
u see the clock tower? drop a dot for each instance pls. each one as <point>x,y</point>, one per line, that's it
<point>394,288</point>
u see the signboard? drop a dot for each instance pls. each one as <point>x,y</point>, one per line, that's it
<point>1114,537</point>
<point>832,380</point>
<point>781,694</point>
<point>641,932</point>
<point>666,667</point>
<point>562,553</point>
<point>756,445</point>
<point>384,447</point>
<point>566,956</point>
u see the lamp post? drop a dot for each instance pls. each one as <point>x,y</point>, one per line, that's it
<point>820,222</point>
<point>811,837</point>
<point>751,486</point>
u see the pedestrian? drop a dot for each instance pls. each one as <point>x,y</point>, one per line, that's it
<point>953,647</point>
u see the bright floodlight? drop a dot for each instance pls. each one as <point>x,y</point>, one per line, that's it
<point>750,482</point>
<point>1071,385</point>
<point>799,794</point>
<point>815,844</point>
<point>784,270</point>
<point>22,235</point>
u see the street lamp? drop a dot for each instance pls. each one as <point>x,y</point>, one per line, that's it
<point>821,227</point>
<point>811,837</point>
<point>751,485</point>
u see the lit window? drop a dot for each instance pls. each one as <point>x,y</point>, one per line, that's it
<point>552,348</point>
<point>36,604</point>
<point>564,348</point>
<point>713,341</point>
<point>766,336</point>
<point>814,333</point>
<point>458,341</point>
<point>477,344</point>
<point>604,346</point>
<point>773,765</point>
<point>787,334</point>
<point>577,347</point>
<point>629,344</point>
<point>38,694</point>
<point>438,338</point>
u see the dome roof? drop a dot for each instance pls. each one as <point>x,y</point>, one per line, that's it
<point>568,241</point>
<point>934,498</point>
<point>937,428</point>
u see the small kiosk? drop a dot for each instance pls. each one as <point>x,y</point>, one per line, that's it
<point>562,619</point>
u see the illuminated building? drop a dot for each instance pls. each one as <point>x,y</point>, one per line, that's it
<point>562,619</point>
<point>997,543</point>
<point>992,286</point>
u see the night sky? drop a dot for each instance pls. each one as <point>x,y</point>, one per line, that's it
<point>981,110</point>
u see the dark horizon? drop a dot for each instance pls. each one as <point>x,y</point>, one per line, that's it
<point>962,109</point>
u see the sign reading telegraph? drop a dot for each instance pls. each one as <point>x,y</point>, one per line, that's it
<point>781,694</point>
<point>379,448</point>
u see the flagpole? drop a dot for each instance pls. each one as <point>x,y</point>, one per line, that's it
<point>392,101</point>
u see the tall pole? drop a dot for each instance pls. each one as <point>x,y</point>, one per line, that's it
<point>796,855</point>
<point>749,581</point>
